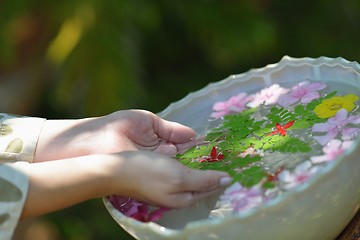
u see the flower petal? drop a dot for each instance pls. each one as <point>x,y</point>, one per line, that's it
<point>219,106</point>
<point>219,114</point>
<point>333,144</point>
<point>326,138</point>
<point>349,133</point>
<point>309,97</point>
<point>353,119</point>
<point>319,159</point>
<point>287,100</point>
<point>317,86</point>
<point>320,127</point>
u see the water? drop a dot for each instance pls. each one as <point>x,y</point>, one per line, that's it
<point>277,158</point>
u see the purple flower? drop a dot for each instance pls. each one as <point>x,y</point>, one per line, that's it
<point>267,96</point>
<point>301,174</point>
<point>337,125</point>
<point>241,198</point>
<point>135,209</point>
<point>235,104</point>
<point>304,92</point>
<point>332,150</point>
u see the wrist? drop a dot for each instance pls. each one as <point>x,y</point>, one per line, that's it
<point>59,184</point>
<point>60,139</point>
<point>118,174</point>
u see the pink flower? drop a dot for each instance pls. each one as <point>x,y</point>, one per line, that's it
<point>332,150</point>
<point>301,174</point>
<point>135,209</point>
<point>251,151</point>
<point>235,104</point>
<point>304,92</point>
<point>336,125</point>
<point>241,198</point>
<point>267,96</point>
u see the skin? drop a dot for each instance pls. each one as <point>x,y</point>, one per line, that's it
<point>125,153</point>
<point>120,131</point>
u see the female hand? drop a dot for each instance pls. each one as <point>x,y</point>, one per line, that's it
<point>161,181</point>
<point>143,175</point>
<point>143,130</point>
<point>120,131</point>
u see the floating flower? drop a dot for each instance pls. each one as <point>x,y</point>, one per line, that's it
<point>337,125</point>
<point>275,176</point>
<point>135,209</point>
<point>214,156</point>
<point>267,96</point>
<point>304,92</point>
<point>329,107</point>
<point>281,129</point>
<point>332,150</point>
<point>234,104</point>
<point>251,151</point>
<point>301,174</point>
<point>242,198</point>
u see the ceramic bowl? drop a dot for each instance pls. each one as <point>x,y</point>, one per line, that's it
<point>317,209</point>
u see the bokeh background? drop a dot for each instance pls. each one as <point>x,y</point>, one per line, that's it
<point>73,59</point>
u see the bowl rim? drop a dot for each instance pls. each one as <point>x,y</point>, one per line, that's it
<point>322,173</point>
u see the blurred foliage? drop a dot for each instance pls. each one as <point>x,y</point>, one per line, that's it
<point>95,57</point>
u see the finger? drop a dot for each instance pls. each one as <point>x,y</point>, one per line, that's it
<point>172,131</point>
<point>195,185</point>
<point>166,148</point>
<point>185,199</point>
<point>204,181</point>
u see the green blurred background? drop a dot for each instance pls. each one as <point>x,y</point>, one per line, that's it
<point>73,59</point>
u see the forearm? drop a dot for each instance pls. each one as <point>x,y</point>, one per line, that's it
<point>59,184</point>
<point>60,139</point>
<point>143,175</point>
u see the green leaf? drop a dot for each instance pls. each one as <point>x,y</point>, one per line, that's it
<point>274,142</point>
<point>274,110</point>
<point>293,145</point>
<point>281,115</point>
<point>300,124</point>
<point>299,109</point>
<point>251,176</point>
<point>212,165</point>
<point>268,185</point>
<point>330,95</point>
<point>265,130</point>
<point>243,162</point>
<point>313,104</point>
<point>193,164</point>
<point>214,136</point>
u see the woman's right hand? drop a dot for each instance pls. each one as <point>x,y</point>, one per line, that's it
<point>143,175</point>
<point>162,181</point>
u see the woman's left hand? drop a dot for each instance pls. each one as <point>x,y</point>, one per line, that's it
<point>126,130</point>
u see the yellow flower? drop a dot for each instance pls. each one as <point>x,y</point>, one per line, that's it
<point>329,107</point>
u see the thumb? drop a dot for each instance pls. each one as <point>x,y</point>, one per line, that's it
<point>172,131</point>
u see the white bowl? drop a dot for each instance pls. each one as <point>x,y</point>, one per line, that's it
<point>318,209</point>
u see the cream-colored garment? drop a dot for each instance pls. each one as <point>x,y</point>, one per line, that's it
<point>18,139</point>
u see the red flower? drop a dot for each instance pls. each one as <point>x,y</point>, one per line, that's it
<point>135,209</point>
<point>281,129</point>
<point>214,156</point>
<point>274,176</point>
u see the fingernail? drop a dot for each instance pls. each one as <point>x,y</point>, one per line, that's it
<point>225,181</point>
